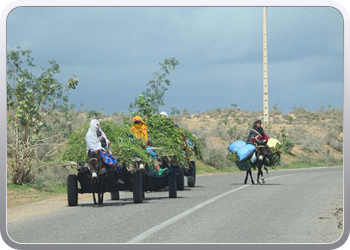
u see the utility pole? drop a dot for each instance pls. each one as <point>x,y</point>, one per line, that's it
<point>265,81</point>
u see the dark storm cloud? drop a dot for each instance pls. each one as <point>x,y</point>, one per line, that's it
<point>114,52</point>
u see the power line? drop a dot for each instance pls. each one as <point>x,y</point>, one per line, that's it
<point>321,16</point>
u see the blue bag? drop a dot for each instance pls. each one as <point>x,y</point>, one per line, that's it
<point>189,143</point>
<point>236,145</point>
<point>245,152</point>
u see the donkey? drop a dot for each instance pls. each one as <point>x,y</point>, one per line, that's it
<point>260,152</point>
<point>97,175</point>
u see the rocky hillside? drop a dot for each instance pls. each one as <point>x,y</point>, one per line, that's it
<point>317,136</point>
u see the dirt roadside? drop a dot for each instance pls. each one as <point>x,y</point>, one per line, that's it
<point>47,205</point>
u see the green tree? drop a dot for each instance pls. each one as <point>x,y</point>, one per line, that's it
<point>38,117</point>
<point>149,101</point>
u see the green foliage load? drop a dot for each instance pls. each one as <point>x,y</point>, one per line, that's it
<point>274,159</point>
<point>125,146</point>
<point>232,157</point>
<point>196,150</point>
<point>165,136</point>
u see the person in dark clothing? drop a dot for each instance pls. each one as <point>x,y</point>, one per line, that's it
<point>256,133</point>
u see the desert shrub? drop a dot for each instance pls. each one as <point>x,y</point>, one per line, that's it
<point>118,118</point>
<point>313,145</point>
<point>43,177</point>
<point>307,141</point>
<point>207,112</point>
<point>337,146</point>
<point>202,136</point>
<point>219,132</point>
<point>177,119</point>
<point>299,110</point>
<point>331,139</point>
<point>284,164</point>
<point>306,158</point>
<point>287,143</point>
<point>237,133</point>
<point>215,158</point>
<point>330,160</point>
<point>275,112</point>
<point>277,120</point>
<point>227,111</point>
<point>285,116</point>
<point>244,120</point>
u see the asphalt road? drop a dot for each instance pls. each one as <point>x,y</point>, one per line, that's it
<point>294,206</point>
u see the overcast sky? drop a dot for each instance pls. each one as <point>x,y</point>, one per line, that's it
<point>115,50</point>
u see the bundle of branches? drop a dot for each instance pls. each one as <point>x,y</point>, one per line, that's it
<point>274,159</point>
<point>232,157</point>
<point>196,149</point>
<point>168,138</point>
<point>125,147</point>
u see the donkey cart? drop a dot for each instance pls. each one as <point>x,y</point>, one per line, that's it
<point>181,171</point>
<point>137,178</point>
<point>132,182</point>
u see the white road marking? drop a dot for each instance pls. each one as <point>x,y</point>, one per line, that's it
<point>154,229</point>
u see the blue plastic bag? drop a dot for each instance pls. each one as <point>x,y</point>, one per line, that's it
<point>236,145</point>
<point>189,143</point>
<point>245,151</point>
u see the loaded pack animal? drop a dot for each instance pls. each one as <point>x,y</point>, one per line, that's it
<point>97,175</point>
<point>261,154</point>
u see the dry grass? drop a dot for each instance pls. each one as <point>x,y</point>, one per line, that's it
<point>317,135</point>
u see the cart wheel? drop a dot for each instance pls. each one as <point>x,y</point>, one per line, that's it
<point>191,177</point>
<point>180,180</point>
<point>72,190</point>
<point>115,195</point>
<point>138,194</point>
<point>172,184</point>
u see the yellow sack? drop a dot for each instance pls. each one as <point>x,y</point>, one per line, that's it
<point>272,142</point>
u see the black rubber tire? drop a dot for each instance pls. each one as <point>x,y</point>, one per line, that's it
<point>191,177</point>
<point>180,180</point>
<point>115,195</point>
<point>72,190</point>
<point>137,190</point>
<point>172,184</point>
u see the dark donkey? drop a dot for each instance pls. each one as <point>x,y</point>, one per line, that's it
<point>260,154</point>
<point>97,175</point>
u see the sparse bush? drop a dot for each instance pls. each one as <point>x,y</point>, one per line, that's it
<point>306,158</point>
<point>285,116</point>
<point>277,120</point>
<point>287,144</point>
<point>330,160</point>
<point>215,158</point>
<point>118,118</point>
<point>219,132</point>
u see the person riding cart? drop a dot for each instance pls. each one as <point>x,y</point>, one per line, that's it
<point>139,128</point>
<point>96,140</point>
